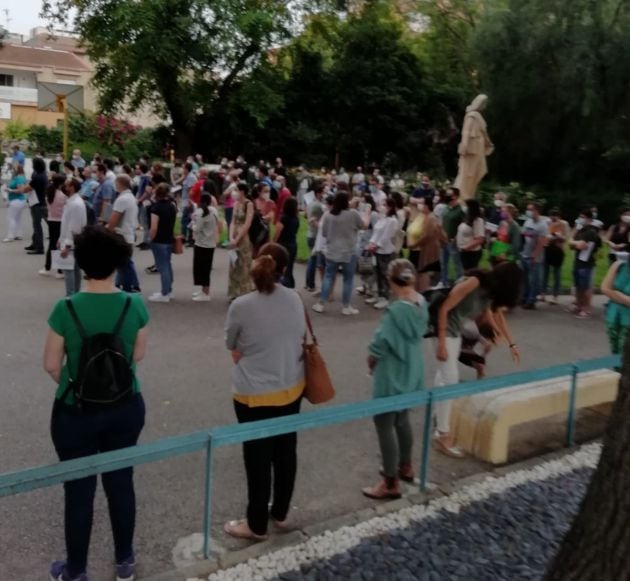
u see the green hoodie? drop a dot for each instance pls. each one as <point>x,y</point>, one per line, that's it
<point>397,345</point>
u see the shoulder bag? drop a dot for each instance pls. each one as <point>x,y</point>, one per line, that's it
<point>319,387</point>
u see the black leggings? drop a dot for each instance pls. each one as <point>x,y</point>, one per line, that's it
<point>470,258</point>
<point>54,230</point>
<point>202,265</point>
<point>279,453</point>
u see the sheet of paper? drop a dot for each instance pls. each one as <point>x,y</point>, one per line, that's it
<point>233,256</point>
<point>33,199</point>
<point>585,255</point>
<point>59,263</point>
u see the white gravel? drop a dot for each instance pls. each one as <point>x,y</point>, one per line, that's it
<point>336,542</point>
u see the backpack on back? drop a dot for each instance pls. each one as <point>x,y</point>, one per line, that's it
<point>105,376</point>
<point>259,230</point>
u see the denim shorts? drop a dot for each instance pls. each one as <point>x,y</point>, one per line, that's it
<point>583,278</point>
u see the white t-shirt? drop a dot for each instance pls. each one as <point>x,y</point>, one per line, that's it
<point>384,235</point>
<point>127,205</point>
<point>466,234</point>
<point>379,197</point>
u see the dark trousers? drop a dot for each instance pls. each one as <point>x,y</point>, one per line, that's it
<point>311,265</point>
<point>382,264</point>
<point>287,277</point>
<point>38,213</point>
<point>261,456</point>
<point>76,434</point>
<point>54,230</point>
<point>127,277</point>
<point>202,265</point>
<point>470,258</point>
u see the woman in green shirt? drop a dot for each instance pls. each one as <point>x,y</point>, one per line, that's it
<point>616,286</point>
<point>482,292</point>
<point>397,365</point>
<point>80,429</point>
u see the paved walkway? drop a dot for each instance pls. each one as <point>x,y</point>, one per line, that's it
<point>186,384</point>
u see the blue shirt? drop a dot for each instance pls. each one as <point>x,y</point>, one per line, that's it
<point>19,158</point>
<point>105,192</point>
<point>88,189</point>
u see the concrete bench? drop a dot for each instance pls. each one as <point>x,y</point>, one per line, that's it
<point>482,423</point>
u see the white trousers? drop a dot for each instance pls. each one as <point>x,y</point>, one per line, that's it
<point>14,218</point>
<point>447,374</point>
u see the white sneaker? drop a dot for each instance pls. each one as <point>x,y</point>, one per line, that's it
<point>8,240</point>
<point>371,301</point>
<point>349,311</point>
<point>318,308</point>
<point>196,293</point>
<point>201,298</point>
<point>44,272</point>
<point>160,298</point>
<point>381,304</point>
<point>552,300</point>
<point>361,290</point>
<point>60,275</point>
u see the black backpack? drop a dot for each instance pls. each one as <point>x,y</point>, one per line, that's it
<point>435,299</point>
<point>105,377</point>
<point>259,230</point>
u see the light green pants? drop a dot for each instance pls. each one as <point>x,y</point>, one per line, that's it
<point>395,438</point>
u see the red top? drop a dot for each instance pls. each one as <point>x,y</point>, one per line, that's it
<point>283,196</point>
<point>195,192</point>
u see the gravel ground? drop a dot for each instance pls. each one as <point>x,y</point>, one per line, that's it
<point>499,529</point>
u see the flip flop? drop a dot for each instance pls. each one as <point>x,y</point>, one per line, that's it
<point>239,529</point>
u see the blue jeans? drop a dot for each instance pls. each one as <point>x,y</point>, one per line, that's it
<point>162,254</point>
<point>73,280</point>
<point>348,269</point>
<point>532,271</point>
<point>311,265</point>
<point>556,273</point>
<point>448,252</point>
<point>77,433</point>
<point>127,278</point>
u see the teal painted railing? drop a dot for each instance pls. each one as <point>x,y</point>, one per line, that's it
<point>209,440</point>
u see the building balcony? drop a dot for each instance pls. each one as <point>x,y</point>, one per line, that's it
<point>18,95</point>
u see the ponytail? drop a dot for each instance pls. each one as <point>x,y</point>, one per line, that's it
<point>205,202</point>
<point>268,268</point>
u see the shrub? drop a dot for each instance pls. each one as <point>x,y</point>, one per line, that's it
<point>16,130</point>
<point>44,139</point>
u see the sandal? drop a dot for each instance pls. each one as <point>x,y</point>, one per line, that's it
<point>239,529</point>
<point>451,451</point>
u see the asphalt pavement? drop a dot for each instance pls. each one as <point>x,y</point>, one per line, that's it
<point>186,383</point>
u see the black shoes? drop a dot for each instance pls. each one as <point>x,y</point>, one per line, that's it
<point>35,252</point>
<point>143,246</point>
<point>31,247</point>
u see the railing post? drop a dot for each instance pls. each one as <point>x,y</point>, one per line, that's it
<point>207,504</point>
<point>426,442</point>
<point>570,440</point>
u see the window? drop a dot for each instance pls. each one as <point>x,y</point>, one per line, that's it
<point>6,80</point>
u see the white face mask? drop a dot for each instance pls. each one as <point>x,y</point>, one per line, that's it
<point>625,218</point>
<point>498,203</point>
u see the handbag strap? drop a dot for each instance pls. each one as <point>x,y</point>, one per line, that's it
<point>309,326</point>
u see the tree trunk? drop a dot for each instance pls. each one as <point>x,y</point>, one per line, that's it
<point>597,547</point>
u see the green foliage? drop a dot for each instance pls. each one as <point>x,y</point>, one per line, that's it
<point>16,130</point>
<point>49,141</point>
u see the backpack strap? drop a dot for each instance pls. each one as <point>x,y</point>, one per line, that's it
<point>121,319</point>
<point>75,318</point>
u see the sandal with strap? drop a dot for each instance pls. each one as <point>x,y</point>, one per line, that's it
<point>239,529</point>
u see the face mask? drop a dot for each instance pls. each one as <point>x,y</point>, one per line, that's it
<point>235,195</point>
<point>529,214</point>
<point>372,189</point>
<point>498,203</point>
<point>579,222</point>
<point>626,219</point>
<point>465,208</point>
<point>594,215</point>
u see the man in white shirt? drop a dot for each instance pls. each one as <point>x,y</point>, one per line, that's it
<point>73,220</point>
<point>124,220</point>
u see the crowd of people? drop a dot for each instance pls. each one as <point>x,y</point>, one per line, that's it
<point>418,257</point>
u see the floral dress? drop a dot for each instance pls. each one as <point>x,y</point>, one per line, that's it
<point>240,280</point>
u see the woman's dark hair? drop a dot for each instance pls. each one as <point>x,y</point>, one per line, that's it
<point>39,165</point>
<point>54,184</point>
<point>126,168</point>
<point>257,191</point>
<point>269,266</point>
<point>157,179</point>
<point>398,198</point>
<point>370,200</point>
<point>163,191</point>
<point>428,203</point>
<point>340,204</point>
<point>68,165</point>
<point>205,202</point>
<point>290,208</point>
<point>502,284</point>
<point>54,166</point>
<point>474,211</point>
<point>330,200</point>
<point>99,252</point>
<point>343,187</point>
<point>243,187</point>
<point>390,203</point>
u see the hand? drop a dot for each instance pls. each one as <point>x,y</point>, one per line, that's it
<point>371,248</point>
<point>442,352</point>
<point>516,355</point>
<point>64,253</point>
<point>236,356</point>
<point>371,361</point>
<point>232,245</point>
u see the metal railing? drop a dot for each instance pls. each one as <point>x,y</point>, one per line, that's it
<point>214,438</point>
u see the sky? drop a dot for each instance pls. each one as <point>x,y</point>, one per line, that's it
<point>23,15</point>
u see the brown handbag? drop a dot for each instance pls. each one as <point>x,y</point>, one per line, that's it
<point>178,245</point>
<point>319,388</point>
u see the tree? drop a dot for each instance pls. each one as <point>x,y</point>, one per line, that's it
<point>182,58</point>
<point>596,546</point>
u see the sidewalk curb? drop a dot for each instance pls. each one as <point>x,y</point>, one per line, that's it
<point>203,569</point>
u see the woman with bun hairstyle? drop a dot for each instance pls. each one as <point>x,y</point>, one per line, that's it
<point>486,293</point>
<point>397,364</point>
<point>264,331</point>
